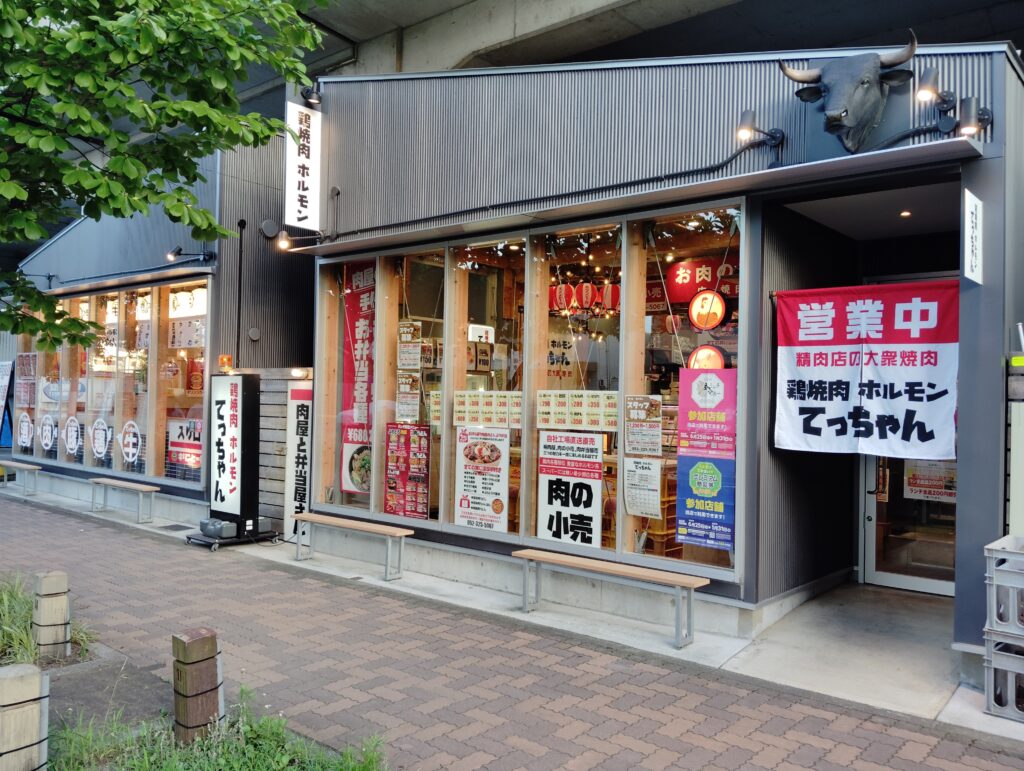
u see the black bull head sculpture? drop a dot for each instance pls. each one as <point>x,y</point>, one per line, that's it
<point>854,89</point>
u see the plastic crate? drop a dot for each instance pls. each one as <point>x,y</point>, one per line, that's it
<point>1004,675</point>
<point>1004,581</point>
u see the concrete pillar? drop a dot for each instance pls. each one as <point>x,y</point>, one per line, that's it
<point>51,615</point>
<point>24,716</point>
<point>198,683</point>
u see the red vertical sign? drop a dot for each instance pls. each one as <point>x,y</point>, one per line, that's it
<point>357,376</point>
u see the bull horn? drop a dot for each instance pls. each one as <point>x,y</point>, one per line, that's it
<point>812,75</point>
<point>891,60</point>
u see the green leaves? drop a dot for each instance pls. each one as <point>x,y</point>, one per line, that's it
<point>109,106</point>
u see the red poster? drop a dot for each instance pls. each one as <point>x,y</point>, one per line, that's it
<point>684,279</point>
<point>408,470</point>
<point>707,413</point>
<point>357,376</point>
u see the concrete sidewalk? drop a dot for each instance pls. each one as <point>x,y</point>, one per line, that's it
<point>449,687</point>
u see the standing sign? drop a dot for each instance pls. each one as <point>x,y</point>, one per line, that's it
<point>481,478</point>
<point>569,487</point>
<point>234,452</point>
<point>706,460</point>
<point>357,376</point>
<point>302,168</point>
<point>296,465</point>
<point>869,369</point>
<point>407,470</point>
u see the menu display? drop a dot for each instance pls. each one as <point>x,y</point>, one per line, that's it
<point>407,491</point>
<point>495,409</point>
<point>590,410</point>
<point>481,478</point>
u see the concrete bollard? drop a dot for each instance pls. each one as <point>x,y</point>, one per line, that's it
<point>198,683</point>
<point>24,717</point>
<point>51,615</point>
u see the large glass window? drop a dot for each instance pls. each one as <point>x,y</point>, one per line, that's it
<point>489,284</point>
<point>680,438</point>
<point>576,404</point>
<point>132,402</point>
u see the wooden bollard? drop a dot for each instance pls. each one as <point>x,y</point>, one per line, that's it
<point>51,615</point>
<point>24,717</point>
<point>198,683</point>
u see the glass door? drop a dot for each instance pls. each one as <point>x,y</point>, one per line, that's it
<point>909,516</point>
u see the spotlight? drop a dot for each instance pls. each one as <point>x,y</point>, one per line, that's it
<point>174,254</point>
<point>284,241</point>
<point>745,131</point>
<point>311,94</point>
<point>972,118</point>
<point>928,85</point>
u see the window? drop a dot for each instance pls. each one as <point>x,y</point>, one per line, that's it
<point>577,403</point>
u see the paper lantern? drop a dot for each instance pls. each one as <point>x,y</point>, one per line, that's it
<point>672,324</point>
<point>586,295</point>
<point>610,297</point>
<point>551,298</point>
<point>564,297</point>
<point>707,309</point>
<point>706,357</point>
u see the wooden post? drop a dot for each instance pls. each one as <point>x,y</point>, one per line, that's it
<point>24,717</point>
<point>51,615</point>
<point>198,683</point>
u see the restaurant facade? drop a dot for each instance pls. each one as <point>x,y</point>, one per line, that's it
<point>654,312</point>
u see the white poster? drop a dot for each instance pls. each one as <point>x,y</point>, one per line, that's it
<point>569,477</point>
<point>226,450</point>
<point>302,168</point>
<point>481,478</point>
<point>930,480</point>
<point>643,425</point>
<point>185,442</point>
<point>297,455</point>
<point>641,487</point>
<point>407,400</point>
<point>869,369</point>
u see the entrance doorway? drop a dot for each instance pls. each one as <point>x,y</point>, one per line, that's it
<point>909,523</point>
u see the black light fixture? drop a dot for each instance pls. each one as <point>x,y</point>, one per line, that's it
<point>311,95</point>
<point>285,240</point>
<point>176,252</point>
<point>972,118</point>
<point>748,128</point>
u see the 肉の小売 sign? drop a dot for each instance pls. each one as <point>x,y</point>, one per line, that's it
<point>869,369</point>
<point>569,487</point>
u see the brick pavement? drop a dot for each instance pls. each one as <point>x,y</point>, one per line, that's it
<point>451,688</point>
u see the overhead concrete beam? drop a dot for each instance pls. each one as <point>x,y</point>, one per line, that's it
<point>486,33</point>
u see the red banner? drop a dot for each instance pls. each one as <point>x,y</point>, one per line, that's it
<point>684,279</point>
<point>357,376</point>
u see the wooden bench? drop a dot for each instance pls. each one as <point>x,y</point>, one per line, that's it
<point>29,469</point>
<point>676,583</point>
<point>122,484</point>
<point>391,533</point>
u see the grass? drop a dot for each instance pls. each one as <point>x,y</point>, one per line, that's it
<point>16,643</point>
<point>241,742</point>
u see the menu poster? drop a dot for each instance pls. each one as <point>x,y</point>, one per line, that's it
<point>642,487</point>
<point>577,410</point>
<point>707,413</point>
<point>643,425</point>
<point>611,411</point>
<point>930,480</point>
<point>501,400</point>
<point>459,408</point>
<point>407,400</point>
<point>515,409</point>
<point>544,401</point>
<point>569,487</point>
<point>25,366</point>
<point>594,405</point>
<point>409,344</point>
<point>560,409</point>
<point>481,478</point>
<point>473,414</point>
<point>407,470</point>
<point>483,357</point>
<point>426,354</point>
<point>435,408</point>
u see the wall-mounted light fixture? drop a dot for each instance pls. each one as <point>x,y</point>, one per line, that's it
<point>311,95</point>
<point>285,241</point>
<point>973,119</point>
<point>748,129</point>
<point>176,253</point>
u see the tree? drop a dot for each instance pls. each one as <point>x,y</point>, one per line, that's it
<point>110,104</point>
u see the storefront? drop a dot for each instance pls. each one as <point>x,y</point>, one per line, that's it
<point>548,315</point>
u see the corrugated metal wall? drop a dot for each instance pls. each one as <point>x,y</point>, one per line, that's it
<point>439,150</point>
<point>277,288</point>
<point>806,501</point>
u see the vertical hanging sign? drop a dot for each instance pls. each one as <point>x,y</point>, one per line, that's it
<point>357,376</point>
<point>302,168</point>
<point>296,468</point>
<point>973,240</point>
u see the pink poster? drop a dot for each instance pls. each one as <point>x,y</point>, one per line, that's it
<point>707,413</point>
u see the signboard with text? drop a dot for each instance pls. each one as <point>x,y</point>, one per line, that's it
<point>234,451</point>
<point>407,470</point>
<point>302,168</point>
<point>481,478</point>
<point>297,452</point>
<point>569,477</point>
<point>357,376</point>
<point>869,369</point>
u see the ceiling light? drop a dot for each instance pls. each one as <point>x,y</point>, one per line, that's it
<point>514,247</point>
<point>905,213</point>
<point>669,257</point>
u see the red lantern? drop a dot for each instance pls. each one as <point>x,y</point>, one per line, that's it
<point>551,298</point>
<point>610,297</point>
<point>586,295</point>
<point>673,324</point>
<point>564,298</point>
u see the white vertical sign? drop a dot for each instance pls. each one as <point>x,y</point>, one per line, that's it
<point>226,444</point>
<point>297,455</point>
<point>973,241</point>
<point>302,168</point>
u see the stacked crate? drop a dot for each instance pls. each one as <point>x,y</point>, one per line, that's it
<point>1004,632</point>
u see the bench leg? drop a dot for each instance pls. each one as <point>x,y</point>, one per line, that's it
<point>105,491</point>
<point>679,617</point>
<point>152,505</point>
<point>5,476</point>
<point>529,603</point>
<point>35,483</point>
<point>92,499</point>
<point>389,574</point>
<point>298,541</point>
